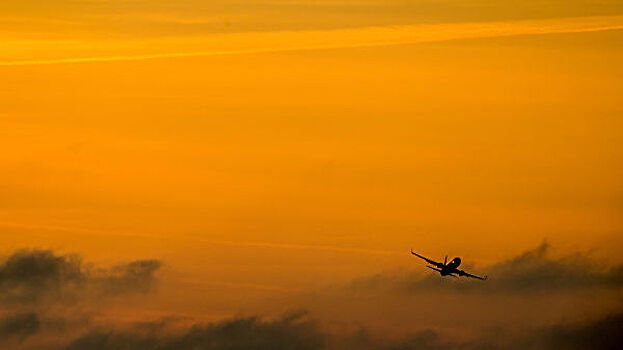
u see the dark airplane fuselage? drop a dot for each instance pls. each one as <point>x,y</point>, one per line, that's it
<point>450,267</point>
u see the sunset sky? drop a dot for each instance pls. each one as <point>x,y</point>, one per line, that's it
<point>210,163</point>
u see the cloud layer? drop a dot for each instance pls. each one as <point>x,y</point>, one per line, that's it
<point>532,271</point>
<point>290,332</point>
<point>32,276</point>
<point>297,332</point>
<point>36,284</point>
<point>19,326</point>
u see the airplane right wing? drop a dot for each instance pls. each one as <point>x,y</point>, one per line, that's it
<point>463,273</point>
<point>432,262</point>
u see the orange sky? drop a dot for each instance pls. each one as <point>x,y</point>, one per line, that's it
<point>263,150</point>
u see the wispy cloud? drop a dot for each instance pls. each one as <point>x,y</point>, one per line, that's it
<point>267,42</point>
<point>533,271</point>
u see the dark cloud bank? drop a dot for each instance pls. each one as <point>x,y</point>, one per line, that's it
<point>19,326</point>
<point>297,332</point>
<point>41,292</point>
<point>34,277</point>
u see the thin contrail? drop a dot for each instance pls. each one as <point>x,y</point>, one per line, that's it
<point>250,244</point>
<point>356,38</point>
<point>302,247</point>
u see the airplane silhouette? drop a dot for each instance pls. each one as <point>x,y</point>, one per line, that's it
<point>448,268</point>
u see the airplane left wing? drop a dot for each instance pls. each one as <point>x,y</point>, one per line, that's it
<point>432,262</point>
<point>463,273</point>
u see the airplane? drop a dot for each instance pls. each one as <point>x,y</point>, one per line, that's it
<point>448,268</point>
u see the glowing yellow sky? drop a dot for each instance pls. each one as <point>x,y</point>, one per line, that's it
<point>262,146</point>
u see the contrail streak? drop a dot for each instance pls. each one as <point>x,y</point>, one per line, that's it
<point>247,43</point>
<point>250,244</point>
<point>302,247</point>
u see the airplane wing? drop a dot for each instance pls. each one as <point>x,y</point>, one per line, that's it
<point>432,262</point>
<point>432,268</point>
<point>463,273</point>
<point>439,270</point>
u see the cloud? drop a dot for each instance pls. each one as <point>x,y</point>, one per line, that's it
<point>524,274</point>
<point>296,331</point>
<point>532,271</point>
<point>535,270</point>
<point>33,276</point>
<point>28,275</point>
<point>292,331</point>
<point>20,326</point>
<point>136,276</point>
<point>604,333</point>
